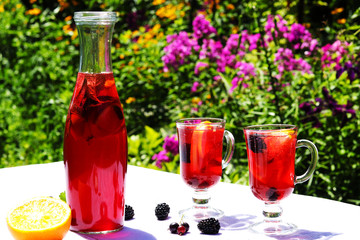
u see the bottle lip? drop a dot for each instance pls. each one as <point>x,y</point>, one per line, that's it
<point>92,17</point>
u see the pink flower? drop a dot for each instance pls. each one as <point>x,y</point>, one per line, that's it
<point>275,26</point>
<point>332,54</point>
<point>245,72</point>
<point>200,66</point>
<point>171,144</point>
<point>195,86</point>
<point>202,27</point>
<point>161,157</point>
<point>285,61</point>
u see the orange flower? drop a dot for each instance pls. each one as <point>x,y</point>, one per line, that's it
<point>34,11</point>
<point>63,4</point>
<point>156,27</point>
<point>74,34</point>
<point>32,1</point>
<point>130,100</point>
<point>168,11</point>
<point>135,47</point>
<point>341,21</point>
<point>67,28</point>
<point>158,2</point>
<point>337,10</point>
<point>195,100</point>
<point>230,6</point>
<point>68,18</point>
<point>235,29</point>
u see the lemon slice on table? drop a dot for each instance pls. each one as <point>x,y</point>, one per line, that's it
<point>42,218</point>
<point>198,145</point>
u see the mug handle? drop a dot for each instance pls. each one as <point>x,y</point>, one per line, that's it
<point>230,145</point>
<point>314,158</point>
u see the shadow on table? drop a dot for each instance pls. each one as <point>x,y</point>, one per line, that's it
<point>302,234</point>
<point>237,222</point>
<point>126,233</point>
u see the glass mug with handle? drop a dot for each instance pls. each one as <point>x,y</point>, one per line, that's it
<point>202,161</point>
<point>271,156</point>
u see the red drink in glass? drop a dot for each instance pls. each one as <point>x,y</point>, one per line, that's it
<point>201,161</point>
<point>271,155</point>
<point>201,154</point>
<point>95,154</point>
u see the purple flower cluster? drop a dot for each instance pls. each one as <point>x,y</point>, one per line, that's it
<point>297,35</point>
<point>276,27</point>
<point>182,45</point>
<point>171,145</point>
<point>246,71</point>
<point>202,27</point>
<point>292,40</point>
<point>343,112</point>
<point>300,38</point>
<point>179,48</point>
<point>352,71</point>
<point>333,53</point>
<point>248,42</point>
<point>285,61</point>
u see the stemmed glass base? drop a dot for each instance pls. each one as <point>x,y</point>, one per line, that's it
<point>201,208</point>
<point>272,223</point>
<point>271,228</point>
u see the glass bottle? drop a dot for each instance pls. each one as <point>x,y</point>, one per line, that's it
<point>95,139</point>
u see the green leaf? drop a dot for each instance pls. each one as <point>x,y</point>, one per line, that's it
<point>62,196</point>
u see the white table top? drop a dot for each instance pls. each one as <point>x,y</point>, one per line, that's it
<point>316,218</point>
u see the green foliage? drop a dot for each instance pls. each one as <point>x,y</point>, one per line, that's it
<point>40,54</point>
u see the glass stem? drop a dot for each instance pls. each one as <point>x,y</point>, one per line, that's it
<point>272,212</point>
<point>201,199</point>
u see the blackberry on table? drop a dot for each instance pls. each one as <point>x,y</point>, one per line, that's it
<point>129,212</point>
<point>162,211</point>
<point>209,226</point>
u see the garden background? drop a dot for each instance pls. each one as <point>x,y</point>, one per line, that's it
<point>250,62</point>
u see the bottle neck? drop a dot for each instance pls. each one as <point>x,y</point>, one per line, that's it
<point>95,47</point>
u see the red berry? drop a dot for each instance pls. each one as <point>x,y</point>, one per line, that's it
<point>186,225</point>
<point>181,230</point>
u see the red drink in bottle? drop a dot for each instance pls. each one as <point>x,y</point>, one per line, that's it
<point>271,155</point>
<point>95,141</point>
<point>201,154</point>
<point>95,154</point>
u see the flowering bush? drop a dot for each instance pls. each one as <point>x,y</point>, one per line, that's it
<point>253,62</point>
